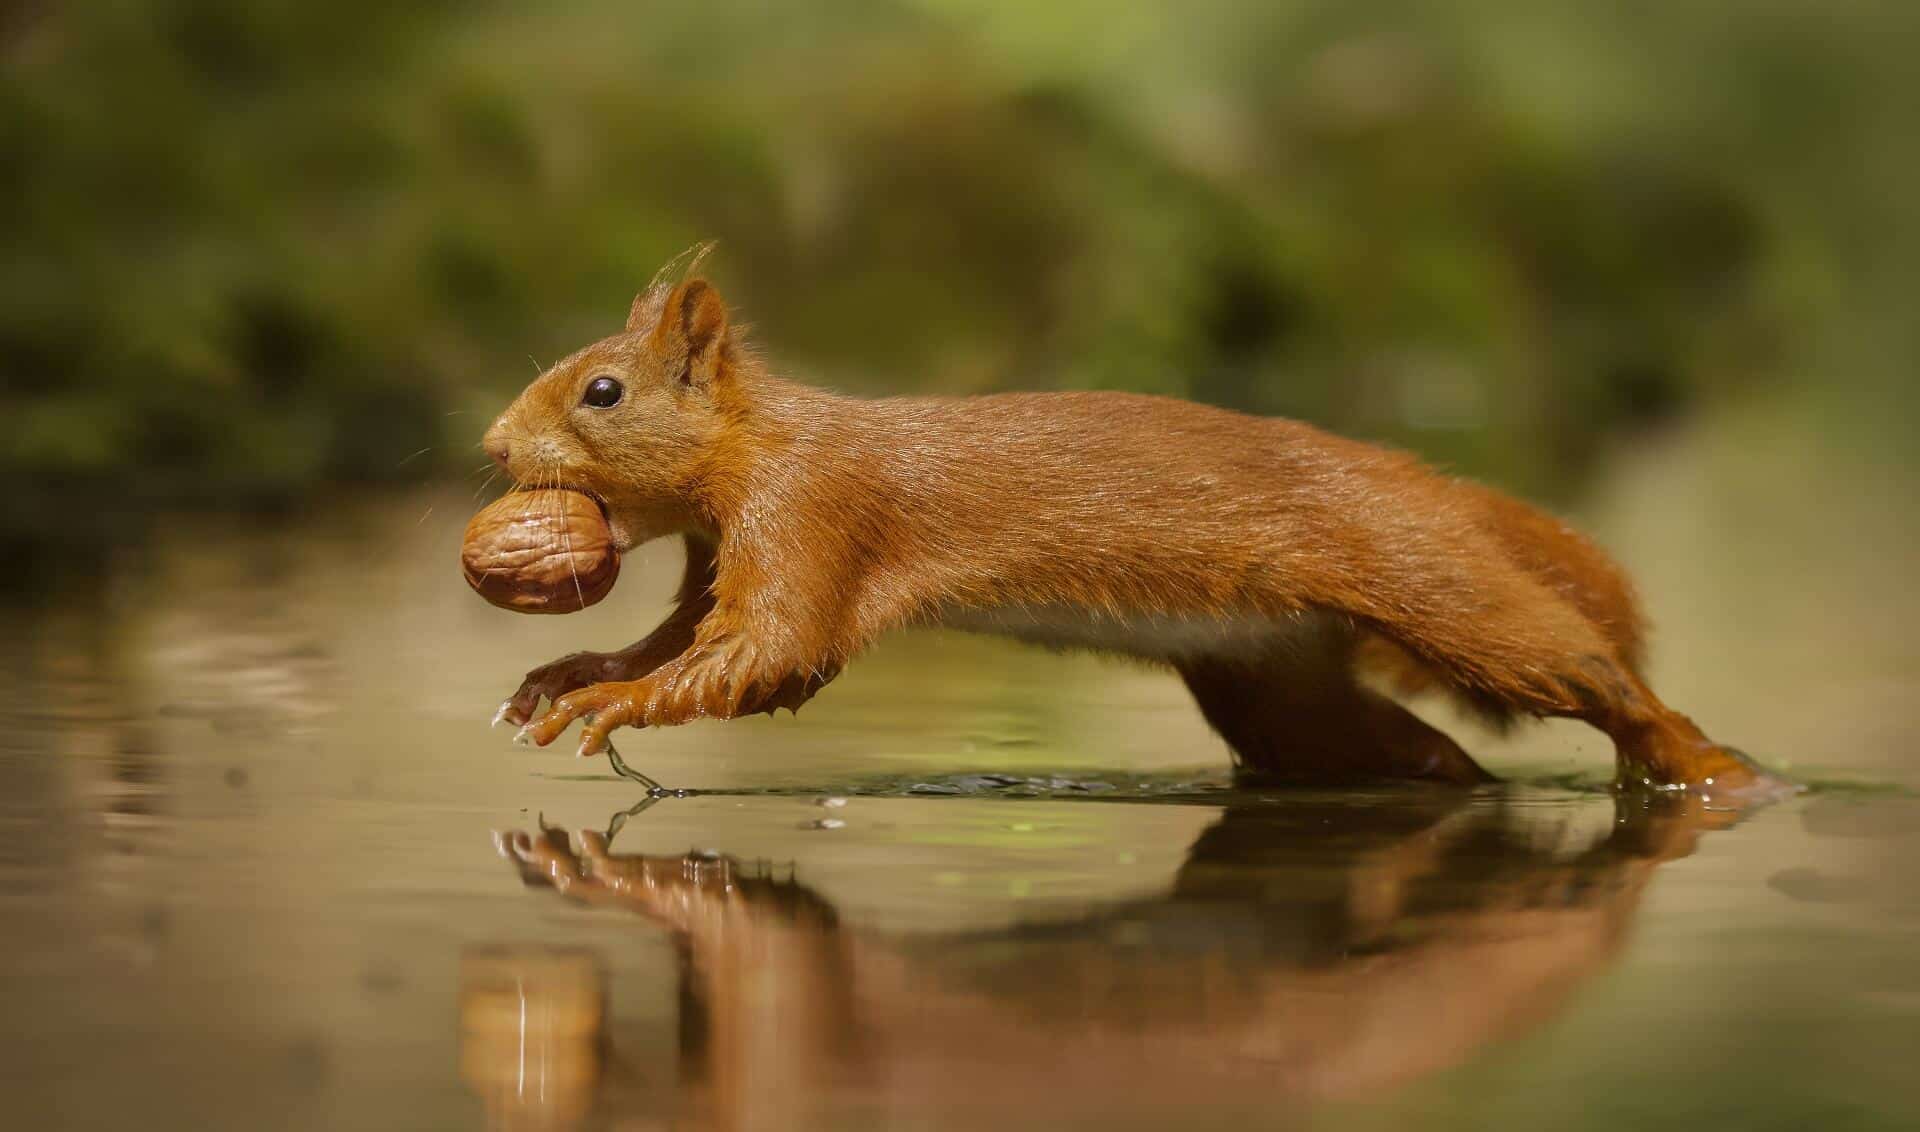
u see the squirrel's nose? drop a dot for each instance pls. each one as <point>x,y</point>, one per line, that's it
<point>496,447</point>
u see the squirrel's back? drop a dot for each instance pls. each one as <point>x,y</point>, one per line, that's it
<point>1001,510</point>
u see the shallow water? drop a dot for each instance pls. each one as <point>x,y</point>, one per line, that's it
<point>265,866</point>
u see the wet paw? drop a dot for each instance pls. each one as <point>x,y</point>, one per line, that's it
<point>1722,776</point>
<point>550,681</point>
<point>602,706</point>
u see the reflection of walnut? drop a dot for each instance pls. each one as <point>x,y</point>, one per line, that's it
<point>540,552</point>
<point>532,1029</point>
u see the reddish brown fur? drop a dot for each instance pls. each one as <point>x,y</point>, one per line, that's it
<point>1260,558</point>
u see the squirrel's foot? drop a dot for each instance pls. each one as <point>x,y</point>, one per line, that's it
<point>604,708</point>
<point>550,681</point>
<point>1718,776</point>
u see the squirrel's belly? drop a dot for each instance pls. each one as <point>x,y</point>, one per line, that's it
<point>1150,636</point>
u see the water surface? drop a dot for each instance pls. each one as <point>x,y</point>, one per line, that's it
<point>265,866</point>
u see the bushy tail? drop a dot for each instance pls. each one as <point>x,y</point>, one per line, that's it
<point>1563,559</point>
<point>1574,566</point>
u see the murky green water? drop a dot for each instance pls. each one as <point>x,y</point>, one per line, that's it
<point>265,866</point>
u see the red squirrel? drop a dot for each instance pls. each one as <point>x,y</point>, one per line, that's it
<point>1270,564</point>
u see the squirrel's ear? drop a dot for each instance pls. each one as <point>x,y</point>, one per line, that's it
<point>693,326</point>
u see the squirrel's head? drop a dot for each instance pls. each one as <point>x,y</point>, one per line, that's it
<point>633,419</point>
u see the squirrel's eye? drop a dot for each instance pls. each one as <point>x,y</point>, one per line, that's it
<point>602,393</point>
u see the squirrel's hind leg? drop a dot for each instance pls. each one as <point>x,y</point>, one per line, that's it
<point>1533,652</point>
<point>1287,723</point>
<point>1655,747</point>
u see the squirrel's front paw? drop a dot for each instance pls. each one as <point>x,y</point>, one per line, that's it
<point>604,706</point>
<point>550,681</point>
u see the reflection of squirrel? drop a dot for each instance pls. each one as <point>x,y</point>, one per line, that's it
<point>1263,560</point>
<point>1303,950</point>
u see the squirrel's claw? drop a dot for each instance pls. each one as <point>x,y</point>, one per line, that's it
<point>551,681</point>
<point>602,706</point>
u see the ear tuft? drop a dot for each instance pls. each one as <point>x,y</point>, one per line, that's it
<point>649,304</point>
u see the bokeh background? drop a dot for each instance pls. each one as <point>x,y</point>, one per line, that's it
<point>252,249</point>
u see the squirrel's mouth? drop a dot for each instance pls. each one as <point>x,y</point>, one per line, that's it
<point>628,527</point>
<point>599,500</point>
<point>621,541</point>
<point>620,538</point>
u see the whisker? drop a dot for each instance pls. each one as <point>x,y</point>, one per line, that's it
<point>566,540</point>
<point>409,459</point>
<point>539,485</point>
<point>484,484</point>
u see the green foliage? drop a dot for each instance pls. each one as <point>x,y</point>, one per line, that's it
<point>255,247</point>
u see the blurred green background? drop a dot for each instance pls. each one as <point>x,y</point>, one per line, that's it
<point>254,248</point>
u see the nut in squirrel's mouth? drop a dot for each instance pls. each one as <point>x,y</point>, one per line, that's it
<point>598,499</point>
<point>621,540</point>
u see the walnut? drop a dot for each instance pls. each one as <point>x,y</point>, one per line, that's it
<point>540,552</point>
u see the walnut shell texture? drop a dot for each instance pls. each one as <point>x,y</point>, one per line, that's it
<point>544,551</point>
